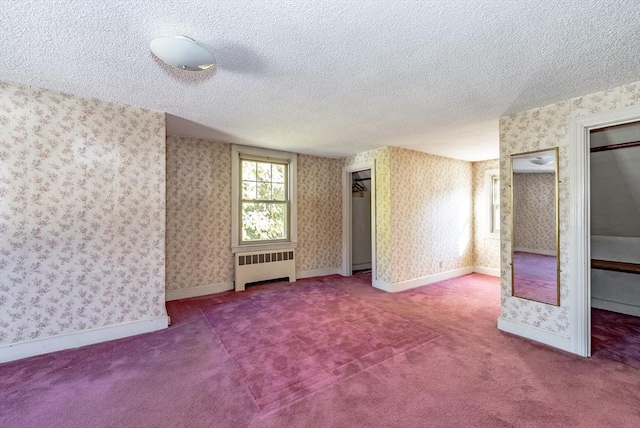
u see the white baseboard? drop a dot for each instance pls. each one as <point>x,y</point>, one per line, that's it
<point>534,333</point>
<point>316,272</point>
<point>361,266</point>
<point>381,285</point>
<point>30,348</point>
<point>536,251</point>
<point>486,271</point>
<point>622,308</point>
<point>430,279</point>
<point>185,293</point>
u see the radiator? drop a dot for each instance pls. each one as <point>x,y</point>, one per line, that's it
<point>263,265</point>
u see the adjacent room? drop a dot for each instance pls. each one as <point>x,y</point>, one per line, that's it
<point>319,213</point>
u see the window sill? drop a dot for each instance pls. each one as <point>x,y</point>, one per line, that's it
<point>264,247</point>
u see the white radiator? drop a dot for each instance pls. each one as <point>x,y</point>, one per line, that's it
<point>263,265</point>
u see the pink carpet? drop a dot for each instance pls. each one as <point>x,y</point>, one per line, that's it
<point>615,337</point>
<point>535,276</point>
<point>290,341</point>
<point>333,352</point>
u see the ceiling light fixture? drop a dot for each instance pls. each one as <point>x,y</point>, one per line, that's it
<point>182,52</point>
<point>541,161</point>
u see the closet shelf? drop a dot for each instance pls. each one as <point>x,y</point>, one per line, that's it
<point>615,266</point>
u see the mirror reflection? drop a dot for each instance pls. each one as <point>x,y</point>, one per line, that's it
<point>534,226</point>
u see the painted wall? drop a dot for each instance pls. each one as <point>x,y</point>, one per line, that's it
<point>615,291</point>
<point>535,213</point>
<point>486,249</point>
<point>615,218</point>
<point>82,214</point>
<point>199,213</point>
<point>615,192</point>
<point>536,129</point>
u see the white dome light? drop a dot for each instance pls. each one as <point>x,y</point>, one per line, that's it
<point>541,161</point>
<point>182,52</point>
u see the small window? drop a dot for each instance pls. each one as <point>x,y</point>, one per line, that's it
<point>492,189</point>
<point>264,198</point>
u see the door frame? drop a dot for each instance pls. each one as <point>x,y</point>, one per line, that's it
<point>346,269</point>
<point>580,224</point>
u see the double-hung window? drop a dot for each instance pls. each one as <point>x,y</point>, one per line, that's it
<point>264,198</point>
<point>492,189</point>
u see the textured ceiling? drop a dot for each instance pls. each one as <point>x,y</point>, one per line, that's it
<point>329,78</point>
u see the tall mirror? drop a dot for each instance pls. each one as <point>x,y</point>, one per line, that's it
<point>534,226</point>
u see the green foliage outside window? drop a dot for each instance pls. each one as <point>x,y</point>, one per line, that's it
<point>264,204</point>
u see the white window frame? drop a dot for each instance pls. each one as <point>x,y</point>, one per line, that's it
<point>488,190</point>
<point>268,156</point>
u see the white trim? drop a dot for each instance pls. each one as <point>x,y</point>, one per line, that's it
<point>536,251</point>
<point>346,268</point>
<point>381,285</point>
<point>580,219</point>
<point>621,308</point>
<point>316,272</point>
<point>487,271</point>
<point>419,282</point>
<point>276,246</point>
<point>30,348</point>
<point>534,333</point>
<point>430,279</point>
<point>203,290</point>
<point>360,266</point>
<point>488,191</point>
<point>236,150</point>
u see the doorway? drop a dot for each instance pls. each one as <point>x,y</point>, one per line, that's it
<point>615,242</point>
<point>580,249</point>
<point>359,224</point>
<point>361,221</point>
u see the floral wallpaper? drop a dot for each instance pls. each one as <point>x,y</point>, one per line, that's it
<point>82,213</point>
<point>431,214</point>
<point>319,213</point>
<point>199,213</point>
<point>536,129</point>
<point>486,250</point>
<point>422,201</point>
<point>198,242</point>
<point>535,218</point>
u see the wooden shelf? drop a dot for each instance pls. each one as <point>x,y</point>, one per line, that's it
<point>615,266</point>
<point>615,146</point>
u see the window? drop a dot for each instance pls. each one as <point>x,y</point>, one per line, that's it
<point>492,189</point>
<point>265,204</point>
<point>263,198</point>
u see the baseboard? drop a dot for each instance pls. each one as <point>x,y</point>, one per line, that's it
<point>486,271</point>
<point>316,272</point>
<point>185,293</point>
<point>45,345</point>
<point>536,334</point>
<point>622,308</point>
<point>361,266</point>
<point>430,279</point>
<point>381,285</point>
<point>536,251</point>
